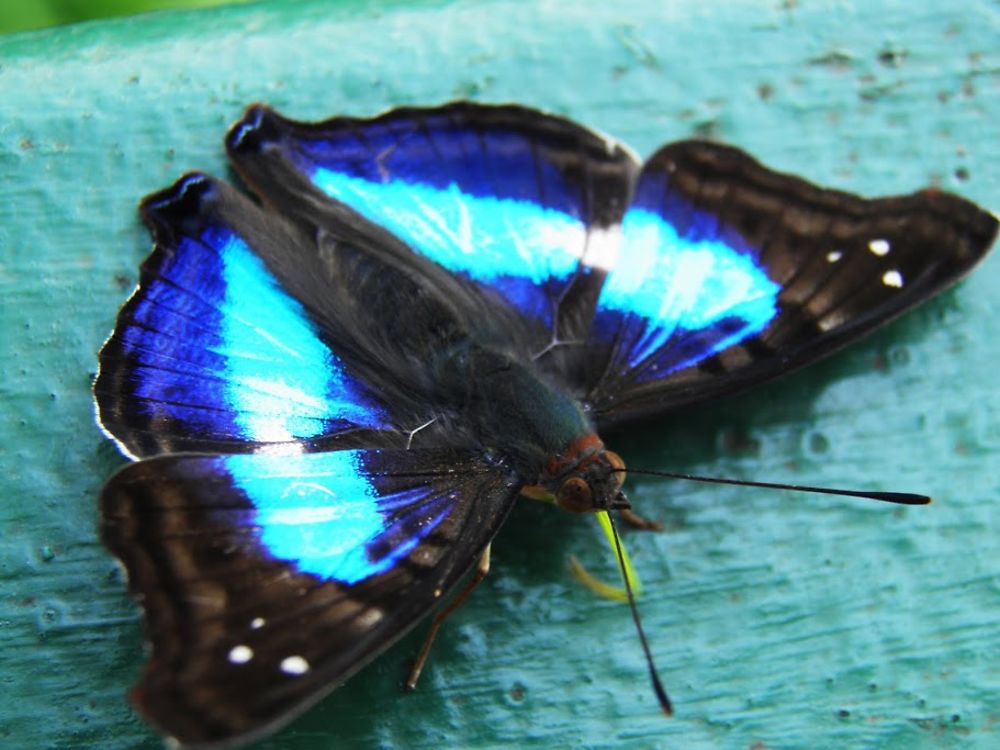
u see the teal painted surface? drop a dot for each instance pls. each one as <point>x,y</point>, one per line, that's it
<point>778,621</point>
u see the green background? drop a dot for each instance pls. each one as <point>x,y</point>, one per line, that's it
<point>778,620</point>
<point>18,15</point>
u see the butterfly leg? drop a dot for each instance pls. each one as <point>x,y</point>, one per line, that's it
<point>482,568</point>
<point>554,344</point>
<point>636,521</point>
<point>409,439</point>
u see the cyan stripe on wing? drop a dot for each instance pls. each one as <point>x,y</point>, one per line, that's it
<point>483,237</point>
<point>309,375</point>
<point>679,284</point>
<point>222,348</point>
<point>320,512</point>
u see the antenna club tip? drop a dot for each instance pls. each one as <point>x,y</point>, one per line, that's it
<point>661,695</point>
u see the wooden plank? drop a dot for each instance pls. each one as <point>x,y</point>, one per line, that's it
<point>778,621</point>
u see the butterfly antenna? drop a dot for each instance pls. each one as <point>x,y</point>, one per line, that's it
<point>661,694</point>
<point>899,498</point>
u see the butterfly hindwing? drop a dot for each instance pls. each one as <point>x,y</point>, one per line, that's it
<point>500,196</point>
<point>267,580</point>
<point>730,274</point>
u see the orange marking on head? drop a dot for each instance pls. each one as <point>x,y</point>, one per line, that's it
<point>577,453</point>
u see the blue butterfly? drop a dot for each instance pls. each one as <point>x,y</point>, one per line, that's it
<point>338,394</point>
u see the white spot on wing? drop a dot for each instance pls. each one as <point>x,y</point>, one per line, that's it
<point>240,654</point>
<point>370,618</point>
<point>603,247</point>
<point>294,665</point>
<point>833,256</point>
<point>893,278</point>
<point>257,623</point>
<point>831,321</point>
<point>879,247</point>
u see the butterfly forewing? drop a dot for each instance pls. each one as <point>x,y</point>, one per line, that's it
<point>268,580</point>
<point>499,196</point>
<point>730,274</point>
<point>212,352</point>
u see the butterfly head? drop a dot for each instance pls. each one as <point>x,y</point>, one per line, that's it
<point>585,478</point>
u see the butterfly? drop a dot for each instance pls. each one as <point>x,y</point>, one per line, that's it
<point>335,394</point>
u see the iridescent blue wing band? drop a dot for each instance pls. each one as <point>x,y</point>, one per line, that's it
<point>501,196</point>
<point>729,274</point>
<point>211,352</point>
<point>682,290</point>
<point>268,580</point>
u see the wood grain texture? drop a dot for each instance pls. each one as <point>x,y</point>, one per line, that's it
<point>779,621</point>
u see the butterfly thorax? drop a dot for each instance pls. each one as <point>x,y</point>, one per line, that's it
<point>544,432</point>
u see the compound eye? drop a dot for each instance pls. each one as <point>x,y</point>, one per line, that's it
<point>617,466</point>
<point>575,496</point>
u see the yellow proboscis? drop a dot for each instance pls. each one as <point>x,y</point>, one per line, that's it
<point>599,587</point>
<point>584,576</point>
